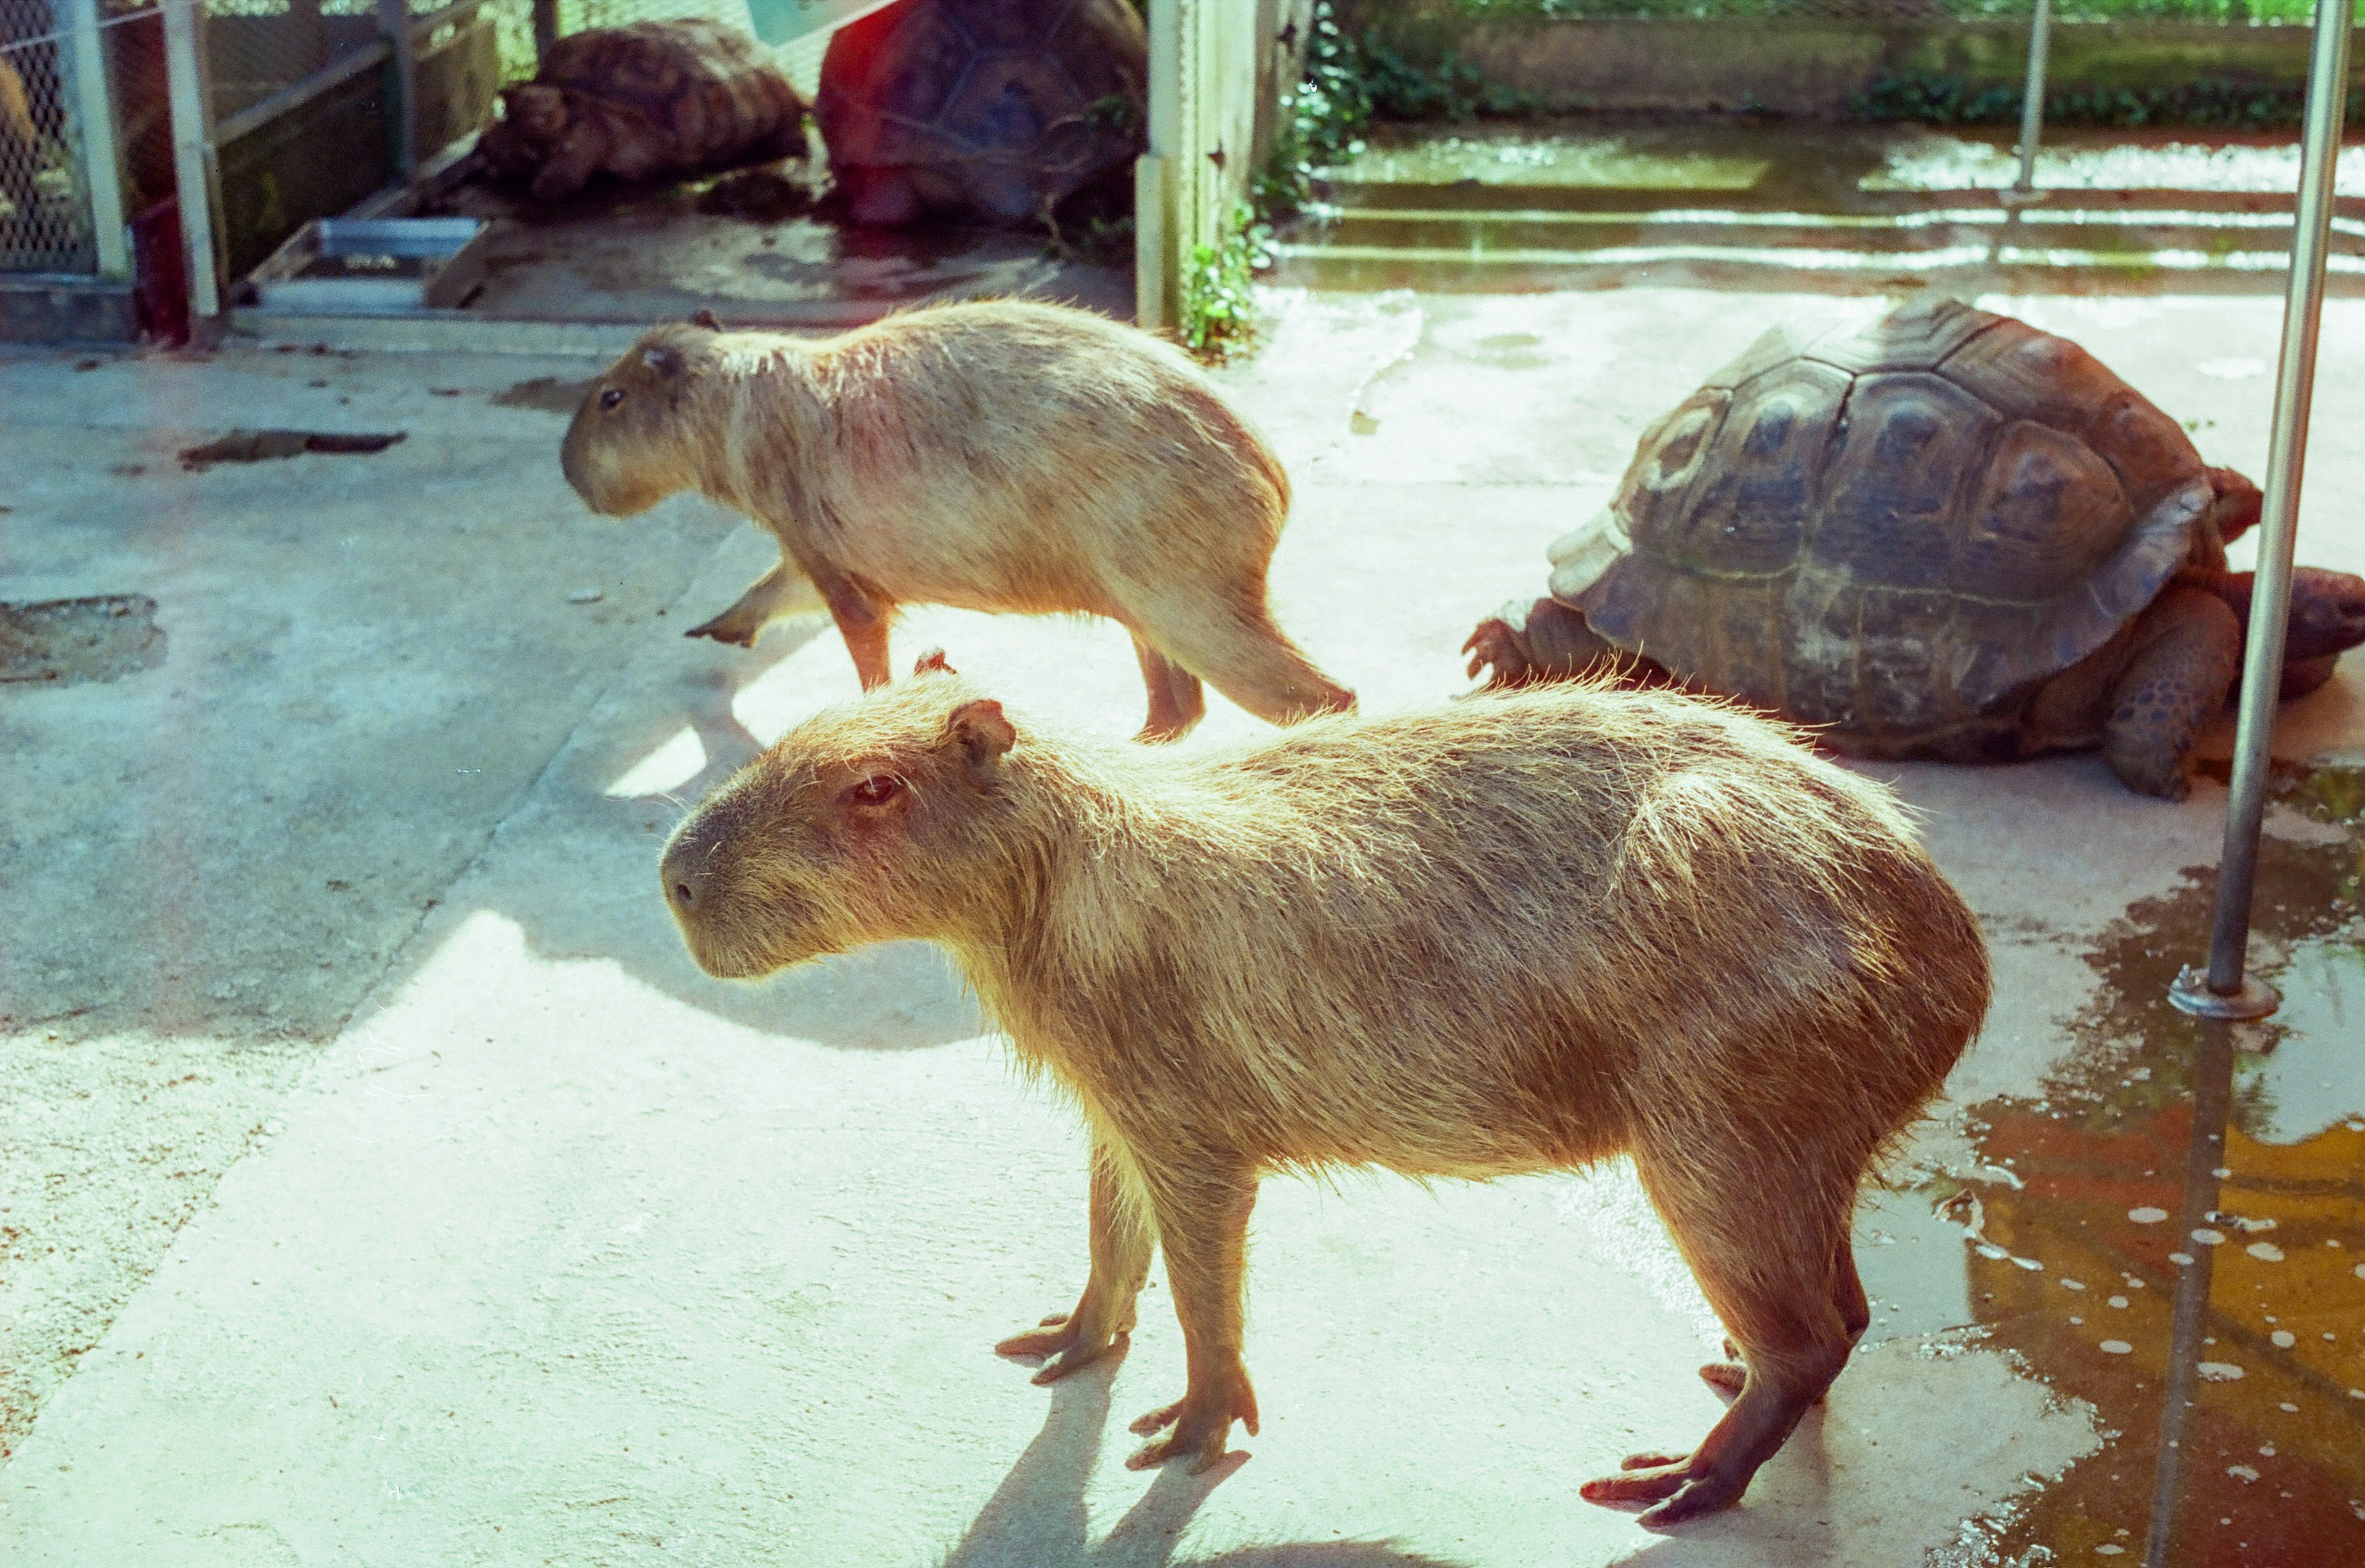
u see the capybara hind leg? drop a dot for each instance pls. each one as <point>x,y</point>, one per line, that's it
<point>1120,1242</point>
<point>1242,653</point>
<point>1729,1375</point>
<point>1762,1253</point>
<point>1203,1228</point>
<point>1176,700</point>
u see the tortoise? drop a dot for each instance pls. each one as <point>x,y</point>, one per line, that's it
<point>645,101</point>
<point>992,108</point>
<point>1949,534</point>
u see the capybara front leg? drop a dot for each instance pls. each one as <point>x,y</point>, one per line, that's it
<point>783,590</point>
<point>862,622</point>
<point>1763,1252</point>
<point>1177,701</point>
<point>1203,1227</point>
<point>1105,1314</point>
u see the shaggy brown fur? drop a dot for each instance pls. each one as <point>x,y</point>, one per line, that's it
<point>998,456</point>
<point>1527,932</point>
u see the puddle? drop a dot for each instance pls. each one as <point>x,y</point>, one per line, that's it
<point>1516,158</point>
<point>68,641</point>
<point>2174,1229</point>
<point>262,446</point>
<point>547,393</point>
<point>1930,160</point>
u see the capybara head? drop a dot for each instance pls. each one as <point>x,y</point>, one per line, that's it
<point>630,446</point>
<point>866,824</point>
<point>2328,613</point>
<point>527,121</point>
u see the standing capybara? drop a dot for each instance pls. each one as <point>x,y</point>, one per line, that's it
<point>996,456</point>
<point>1528,931</point>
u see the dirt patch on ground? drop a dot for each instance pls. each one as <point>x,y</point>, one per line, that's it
<point>262,446</point>
<point>70,640</point>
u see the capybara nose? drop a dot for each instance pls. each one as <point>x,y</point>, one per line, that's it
<point>685,879</point>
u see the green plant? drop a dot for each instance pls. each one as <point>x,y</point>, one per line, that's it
<point>2217,103</point>
<point>1219,315</point>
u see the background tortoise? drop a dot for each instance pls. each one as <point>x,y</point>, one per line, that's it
<point>1947,534</point>
<point>645,101</point>
<point>999,108</point>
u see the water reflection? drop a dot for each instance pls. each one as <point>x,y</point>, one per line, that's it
<point>2176,1231</point>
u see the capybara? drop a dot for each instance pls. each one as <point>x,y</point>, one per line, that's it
<point>1527,932</point>
<point>999,456</point>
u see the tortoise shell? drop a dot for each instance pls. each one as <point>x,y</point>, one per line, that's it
<point>1895,529</point>
<point>711,92</point>
<point>1012,104</point>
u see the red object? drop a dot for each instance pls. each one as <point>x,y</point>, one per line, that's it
<point>159,273</point>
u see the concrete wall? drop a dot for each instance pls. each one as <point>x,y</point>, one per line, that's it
<point>1814,67</point>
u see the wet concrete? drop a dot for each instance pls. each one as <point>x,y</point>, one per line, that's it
<point>1738,202</point>
<point>754,247</point>
<point>382,1181</point>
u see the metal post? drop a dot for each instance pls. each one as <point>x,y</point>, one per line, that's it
<point>93,117</point>
<point>2032,100</point>
<point>1158,192</point>
<point>192,158</point>
<point>394,21</point>
<point>545,27</point>
<point>2225,992</point>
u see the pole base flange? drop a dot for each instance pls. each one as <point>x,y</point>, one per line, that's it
<point>2191,993</point>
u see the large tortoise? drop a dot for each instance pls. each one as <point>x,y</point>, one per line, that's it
<point>991,109</point>
<point>1949,534</point>
<point>648,100</point>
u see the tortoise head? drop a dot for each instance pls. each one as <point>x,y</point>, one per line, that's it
<point>527,119</point>
<point>2328,614</point>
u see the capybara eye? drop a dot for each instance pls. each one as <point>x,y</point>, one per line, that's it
<point>878,790</point>
<point>610,397</point>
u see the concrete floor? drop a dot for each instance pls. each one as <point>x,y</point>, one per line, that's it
<point>380,1182</point>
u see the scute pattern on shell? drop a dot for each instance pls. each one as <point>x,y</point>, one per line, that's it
<point>694,94</point>
<point>997,100</point>
<point>1893,529</point>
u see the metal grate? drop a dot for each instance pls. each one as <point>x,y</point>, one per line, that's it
<point>45,223</point>
<point>2230,13</point>
<point>255,48</point>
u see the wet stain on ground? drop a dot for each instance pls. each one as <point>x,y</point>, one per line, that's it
<point>262,446</point>
<point>2175,1232</point>
<point>547,393</point>
<point>65,642</point>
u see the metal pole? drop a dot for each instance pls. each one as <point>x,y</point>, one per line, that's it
<point>192,158</point>
<point>1159,184</point>
<point>2032,101</point>
<point>2225,992</point>
<point>94,123</point>
<point>394,21</point>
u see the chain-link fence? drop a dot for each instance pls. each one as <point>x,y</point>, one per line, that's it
<point>52,81</point>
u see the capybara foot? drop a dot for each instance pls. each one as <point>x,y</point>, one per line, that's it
<point>1494,644</point>
<point>1062,1338</point>
<point>1679,1486</point>
<point>1201,1423</point>
<point>722,629</point>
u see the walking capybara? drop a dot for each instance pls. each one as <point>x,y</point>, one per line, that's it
<point>1530,930</point>
<point>999,456</point>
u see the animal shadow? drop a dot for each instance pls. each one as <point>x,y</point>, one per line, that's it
<point>1036,1518</point>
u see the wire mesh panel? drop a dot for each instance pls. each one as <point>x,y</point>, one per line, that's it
<point>45,222</point>
<point>257,47</point>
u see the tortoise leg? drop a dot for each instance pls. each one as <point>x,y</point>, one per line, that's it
<point>2187,650</point>
<point>1548,641</point>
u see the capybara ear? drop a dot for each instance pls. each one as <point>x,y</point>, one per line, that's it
<point>2238,503</point>
<point>933,660</point>
<point>982,732</point>
<point>702,316</point>
<point>665,361</point>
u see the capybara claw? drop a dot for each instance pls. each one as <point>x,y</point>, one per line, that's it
<point>1066,1346</point>
<point>1492,643</point>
